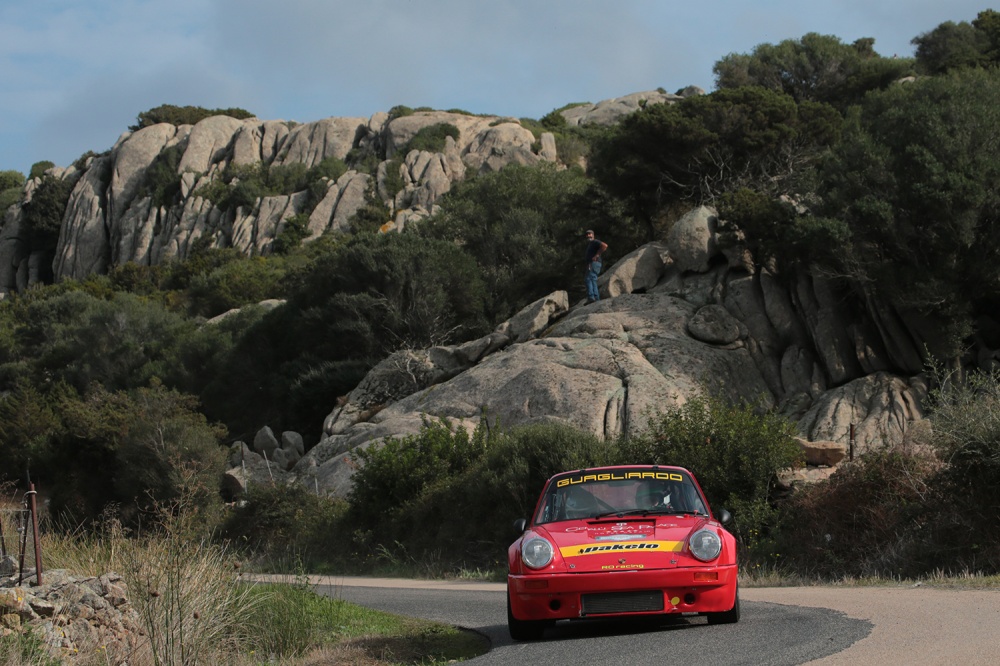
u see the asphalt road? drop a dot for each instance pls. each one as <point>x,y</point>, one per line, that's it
<point>798,625</point>
<point>767,633</point>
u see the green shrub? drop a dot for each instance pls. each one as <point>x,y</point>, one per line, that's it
<point>398,471</point>
<point>431,138</point>
<point>452,497</point>
<point>734,451</point>
<point>363,160</point>
<point>293,232</point>
<point>43,215</point>
<point>400,111</point>
<point>162,182</point>
<point>8,198</point>
<point>242,185</point>
<point>245,281</point>
<point>330,167</point>
<point>965,414</point>
<point>286,527</point>
<point>38,169</point>
<point>393,181</point>
<point>183,115</point>
<point>369,218</point>
<point>11,179</point>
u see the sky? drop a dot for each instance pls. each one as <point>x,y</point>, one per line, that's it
<point>75,74</point>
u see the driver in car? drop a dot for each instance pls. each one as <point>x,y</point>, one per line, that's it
<point>653,497</point>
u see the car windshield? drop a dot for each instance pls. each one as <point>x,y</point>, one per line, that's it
<point>619,492</point>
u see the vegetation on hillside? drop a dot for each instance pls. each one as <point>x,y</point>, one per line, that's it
<point>115,392</point>
<point>183,115</point>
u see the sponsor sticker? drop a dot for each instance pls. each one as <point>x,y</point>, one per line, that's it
<point>617,476</point>
<point>623,547</point>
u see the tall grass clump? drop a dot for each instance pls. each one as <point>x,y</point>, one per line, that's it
<point>25,649</point>
<point>186,591</point>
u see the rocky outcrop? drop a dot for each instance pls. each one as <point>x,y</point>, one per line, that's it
<point>610,111</point>
<point>678,319</point>
<point>112,219</point>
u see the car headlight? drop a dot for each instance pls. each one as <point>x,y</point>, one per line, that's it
<point>705,545</point>
<point>536,552</point>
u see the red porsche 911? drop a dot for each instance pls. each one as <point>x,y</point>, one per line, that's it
<point>617,542</point>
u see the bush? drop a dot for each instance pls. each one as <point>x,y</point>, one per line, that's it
<point>521,226</point>
<point>43,215</point>
<point>168,450</point>
<point>8,198</point>
<point>291,235</point>
<point>11,179</point>
<point>245,281</point>
<point>448,496</point>
<point>162,182</point>
<point>965,414</point>
<point>38,169</point>
<point>287,527</point>
<point>183,115</point>
<point>734,451</point>
<point>869,519</point>
<point>432,138</point>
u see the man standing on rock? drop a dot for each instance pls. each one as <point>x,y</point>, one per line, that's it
<point>595,248</point>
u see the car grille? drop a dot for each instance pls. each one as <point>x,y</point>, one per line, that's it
<point>622,602</point>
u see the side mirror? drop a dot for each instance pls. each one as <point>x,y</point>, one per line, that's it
<point>519,525</point>
<point>725,517</point>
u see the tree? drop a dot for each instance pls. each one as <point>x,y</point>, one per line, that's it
<point>351,306</point>
<point>951,46</point>
<point>121,341</point>
<point>167,449</point>
<point>818,68</point>
<point>522,228</point>
<point>915,182</point>
<point>697,149</point>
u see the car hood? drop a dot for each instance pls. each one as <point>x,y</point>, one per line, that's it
<point>659,542</point>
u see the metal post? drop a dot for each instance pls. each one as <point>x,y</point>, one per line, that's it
<point>34,533</point>
<point>24,548</point>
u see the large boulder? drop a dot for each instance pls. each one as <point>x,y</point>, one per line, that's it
<point>603,368</point>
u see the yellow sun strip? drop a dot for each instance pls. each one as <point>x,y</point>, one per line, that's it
<point>623,547</point>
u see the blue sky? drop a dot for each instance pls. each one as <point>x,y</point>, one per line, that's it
<point>75,74</point>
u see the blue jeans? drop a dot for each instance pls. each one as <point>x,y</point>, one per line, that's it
<point>593,270</point>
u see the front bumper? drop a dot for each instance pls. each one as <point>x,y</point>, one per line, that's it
<point>685,590</point>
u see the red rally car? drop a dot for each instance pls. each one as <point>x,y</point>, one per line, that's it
<point>621,541</point>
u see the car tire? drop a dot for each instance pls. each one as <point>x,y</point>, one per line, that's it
<point>730,616</point>
<point>524,630</point>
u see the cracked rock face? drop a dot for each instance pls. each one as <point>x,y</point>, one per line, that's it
<point>665,331</point>
<point>601,369</point>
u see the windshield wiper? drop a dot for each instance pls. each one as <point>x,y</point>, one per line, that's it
<point>649,512</point>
